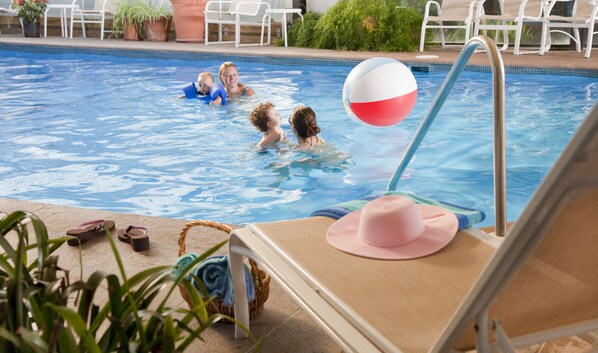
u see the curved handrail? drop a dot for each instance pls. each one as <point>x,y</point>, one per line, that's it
<point>498,78</point>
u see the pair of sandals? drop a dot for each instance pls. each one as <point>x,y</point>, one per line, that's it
<point>136,236</point>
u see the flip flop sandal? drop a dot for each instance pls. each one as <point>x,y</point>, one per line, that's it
<point>88,230</point>
<point>136,236</point>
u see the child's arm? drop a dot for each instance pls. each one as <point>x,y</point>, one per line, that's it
<point>269,138</point>
<point>216,101</point>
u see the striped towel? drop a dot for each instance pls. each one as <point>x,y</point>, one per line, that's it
<point>214,272</point>
<point>467,216</point>
<point>182,263</point>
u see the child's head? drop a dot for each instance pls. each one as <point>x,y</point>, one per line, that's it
<point>205,81</point>
<point>303,122</point>
<point>265,117</point>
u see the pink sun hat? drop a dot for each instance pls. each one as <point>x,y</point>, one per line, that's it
<point>393,228</point>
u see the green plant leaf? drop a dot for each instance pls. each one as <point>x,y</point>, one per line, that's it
<point>79,326</point>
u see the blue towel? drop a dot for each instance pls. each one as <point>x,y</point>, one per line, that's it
<point>214,272</point>
<point>182,263</point>
<point>466,216</point>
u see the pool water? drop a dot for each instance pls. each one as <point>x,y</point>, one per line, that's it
<point>108,132</point>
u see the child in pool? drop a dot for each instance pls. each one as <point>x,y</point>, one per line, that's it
<point>207,86</point>
<point>208,90</point>
<point>304,126</point>
<point>266,119</point>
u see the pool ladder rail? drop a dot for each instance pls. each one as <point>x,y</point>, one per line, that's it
<point>498,79</point>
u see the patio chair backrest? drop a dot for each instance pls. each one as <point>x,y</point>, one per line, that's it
<point>533,8</point>
<point>543,277</point>
<point>455,9</point>
<point>247,7</point>
<point>110,5</point>
<point>583,8</point>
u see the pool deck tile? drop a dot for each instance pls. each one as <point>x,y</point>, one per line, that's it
<point>285,327</point>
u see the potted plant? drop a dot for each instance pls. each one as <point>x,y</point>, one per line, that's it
<point>189,19</point>
<point>37,313</point>
<point>30,11</point>
<point>127,19</point>
<point>156,22</point>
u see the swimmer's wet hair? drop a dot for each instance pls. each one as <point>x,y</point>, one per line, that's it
<point>259,116</point>
<point>303,119</point>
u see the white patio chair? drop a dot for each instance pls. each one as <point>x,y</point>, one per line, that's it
<point>583,15</point>
<point>11,12</point>
<point>450,14</point>
<point>234,12</point>
<point>514,14</point>
<point>98,14</point>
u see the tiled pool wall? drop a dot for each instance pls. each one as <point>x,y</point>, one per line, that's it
<point>290,61</point>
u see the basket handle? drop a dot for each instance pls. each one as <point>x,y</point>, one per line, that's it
<point>204,223</point>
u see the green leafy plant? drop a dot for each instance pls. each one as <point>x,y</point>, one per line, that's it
<point>301,34</point>
<point>376,25</point>
<point>128,13</point>
<point>38,313</point>
<point>146,12</point>
<point>30,10</point>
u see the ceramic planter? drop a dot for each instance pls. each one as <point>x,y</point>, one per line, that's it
<point>132,32</point>
<point>31,29</point>
<point>189,20</point>
<point>157,31</point>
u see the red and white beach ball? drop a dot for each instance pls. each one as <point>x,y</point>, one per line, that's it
<point>379,92</point>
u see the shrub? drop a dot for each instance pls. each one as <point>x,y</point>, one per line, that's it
<point>377,25</point>
<point>301,34</point>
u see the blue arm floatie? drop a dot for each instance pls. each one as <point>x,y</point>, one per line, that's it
<point>216,91</point>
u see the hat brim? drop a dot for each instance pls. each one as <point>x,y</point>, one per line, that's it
<point>440,228</point>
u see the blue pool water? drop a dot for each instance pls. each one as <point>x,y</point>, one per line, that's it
<point>107,132</point>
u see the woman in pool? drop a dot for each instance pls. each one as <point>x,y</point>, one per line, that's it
<point>229,76</point>
<point>304,126</point>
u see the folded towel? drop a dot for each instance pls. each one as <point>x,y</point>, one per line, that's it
<point>214,272</point>
<point>466,216</point>
<point>182,263</point>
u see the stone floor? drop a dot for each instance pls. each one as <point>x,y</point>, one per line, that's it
<point>283,325</point>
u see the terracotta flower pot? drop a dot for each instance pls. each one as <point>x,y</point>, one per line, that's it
<point>157,31</point>
<point>189,20</point>
<point>132,32</point>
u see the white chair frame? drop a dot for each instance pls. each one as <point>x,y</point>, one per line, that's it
<point>582,17</point>
<point>11,12</point>
<point>442,17</point>
<point>511,21</point>
<point>215,13</point>
<point>97,15</point>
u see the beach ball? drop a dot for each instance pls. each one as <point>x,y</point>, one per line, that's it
<point>379,92</point>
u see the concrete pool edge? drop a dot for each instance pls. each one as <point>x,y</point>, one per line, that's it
<point>553,59</point>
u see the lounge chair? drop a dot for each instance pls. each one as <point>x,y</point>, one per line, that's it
<point>234,12</point>
<point>11,12</point>
<point>584,15</point>
<point>514,14</point>
<point>536,284</point>
<point>450,14</point>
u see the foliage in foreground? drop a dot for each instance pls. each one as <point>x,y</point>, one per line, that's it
<point>376,25</point>
<point>41,311</point>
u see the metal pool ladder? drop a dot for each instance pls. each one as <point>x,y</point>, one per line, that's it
<point>498,78</point>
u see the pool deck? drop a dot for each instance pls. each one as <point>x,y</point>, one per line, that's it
<point>285,327</point>
<point>552,59</point>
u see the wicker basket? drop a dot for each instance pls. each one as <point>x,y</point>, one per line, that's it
<point>260,278</point>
